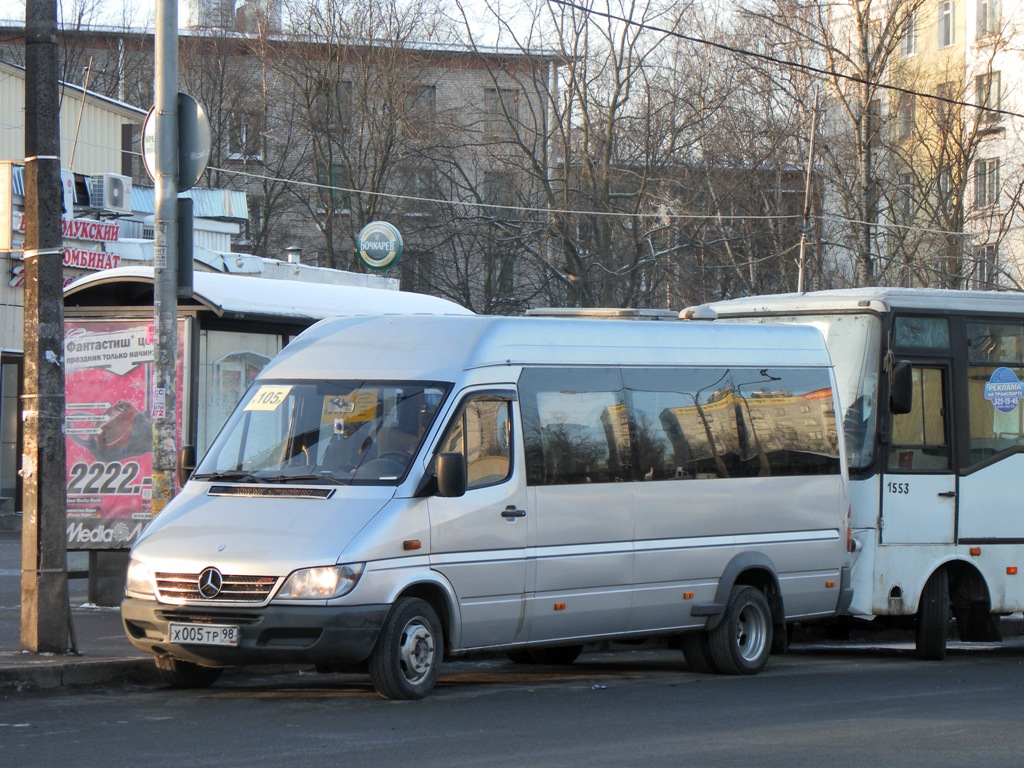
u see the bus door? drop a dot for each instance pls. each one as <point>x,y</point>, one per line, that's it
<point>919,487</point>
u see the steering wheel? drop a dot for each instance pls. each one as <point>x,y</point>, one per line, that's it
<point>399,456</point>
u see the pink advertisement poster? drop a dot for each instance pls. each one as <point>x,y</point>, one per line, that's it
<point>109,426</point>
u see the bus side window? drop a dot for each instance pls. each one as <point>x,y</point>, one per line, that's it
<point>919,438</point>
<point>995,366</point>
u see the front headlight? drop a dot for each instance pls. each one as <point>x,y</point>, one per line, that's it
<point>321,583</point>
<point>140,582</point>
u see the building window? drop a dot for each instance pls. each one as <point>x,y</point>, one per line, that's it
<point>333,187</point>
<point>905,196</point>
<point>987,96</point>
<point>421,109</point>
<point>332,105</point>
<point>501,112</point>
<point>945,25</point>
<point>946,110</point>
<point>986,183</point>
<point>875,123</point>
<point>498,194</point>
<point>943,185</point>
<point>245,136</point>
<point>988,17</point>
<point>419,189</point>
<point>908,45</point>
<point>907,113</point>
<point>986,266</point>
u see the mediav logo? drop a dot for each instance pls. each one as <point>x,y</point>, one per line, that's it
<point>118,532</point>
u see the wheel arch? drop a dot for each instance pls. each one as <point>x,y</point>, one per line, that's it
<point>439,598</point>
<point>753,569</point>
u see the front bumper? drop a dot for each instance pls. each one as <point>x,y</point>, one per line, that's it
<point>300,634</point>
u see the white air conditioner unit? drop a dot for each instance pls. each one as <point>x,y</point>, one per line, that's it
<point>110,192</point>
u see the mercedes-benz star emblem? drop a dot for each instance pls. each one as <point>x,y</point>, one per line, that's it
<point>209,583</point>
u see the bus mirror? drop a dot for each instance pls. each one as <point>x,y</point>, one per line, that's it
<point>186,463</point>
<point>901,387</point>
<point>450,470</point>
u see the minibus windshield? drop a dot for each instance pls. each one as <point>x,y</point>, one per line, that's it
<point>324,432</point>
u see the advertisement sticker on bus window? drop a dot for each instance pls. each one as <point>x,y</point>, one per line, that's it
<point>268,398</point>
<point>1004,389</point>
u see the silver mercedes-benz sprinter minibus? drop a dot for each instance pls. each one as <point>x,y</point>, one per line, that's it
<point>395,490</point>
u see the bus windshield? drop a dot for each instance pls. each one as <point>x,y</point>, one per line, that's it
<point>854,342</point>
<point>340,432</point>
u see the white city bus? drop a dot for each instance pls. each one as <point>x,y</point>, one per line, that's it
<point>930,381</point>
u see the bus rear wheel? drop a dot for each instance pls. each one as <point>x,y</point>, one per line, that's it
<point>933,617</point>
<point>741,643</point>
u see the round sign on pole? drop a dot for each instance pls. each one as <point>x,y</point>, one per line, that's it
<point>379,245</point>
<point>194,142</point>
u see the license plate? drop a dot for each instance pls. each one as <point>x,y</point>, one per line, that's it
<point>202,634</point>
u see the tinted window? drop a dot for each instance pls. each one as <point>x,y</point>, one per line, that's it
<point>672,424</point>
<point>738,422</point>
<point>575,426</point>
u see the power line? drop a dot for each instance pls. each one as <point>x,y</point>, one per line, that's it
<point>809,68</point>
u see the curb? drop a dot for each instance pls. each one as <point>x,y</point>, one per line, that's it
<point>49,675</point>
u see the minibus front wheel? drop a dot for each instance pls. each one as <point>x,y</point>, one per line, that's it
<point>742,641</point>
<point>406,660</point>
<point>185,674</point>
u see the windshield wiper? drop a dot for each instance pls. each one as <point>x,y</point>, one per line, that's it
<point>234,475</point>
<point>326,477</point>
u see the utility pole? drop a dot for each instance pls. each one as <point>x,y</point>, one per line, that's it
<point>165,254</point>
<point>45,610</point>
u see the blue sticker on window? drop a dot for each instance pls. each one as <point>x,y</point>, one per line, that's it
<point>1004,389</point>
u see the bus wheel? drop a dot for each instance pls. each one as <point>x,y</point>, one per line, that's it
<point>697,652</point>
<point>185,674</point>
<point>406,660</point>
<point>933,617</point>
<point>740,644</point>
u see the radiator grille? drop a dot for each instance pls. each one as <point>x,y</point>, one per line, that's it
<point>264,492</point>
<point>236,589</point>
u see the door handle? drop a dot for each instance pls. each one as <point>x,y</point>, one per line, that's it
<point>510,512</point>
<point>948,494</point>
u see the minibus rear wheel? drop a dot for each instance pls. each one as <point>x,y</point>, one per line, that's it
<point>406,660</point>
<point>742,641</point>
<point>697,652</point>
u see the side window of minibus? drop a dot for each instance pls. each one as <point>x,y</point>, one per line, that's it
<point>482,432</point>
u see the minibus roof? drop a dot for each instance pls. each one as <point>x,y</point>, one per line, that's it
<point>437,347</point>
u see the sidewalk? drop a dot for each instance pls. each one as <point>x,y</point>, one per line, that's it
<point>104,653</point>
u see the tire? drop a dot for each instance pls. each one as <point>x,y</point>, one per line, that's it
<point>697,652</point>
<point>933,618</point>
<point>185,674</point>
<point>742,642</point>
<point>405,662</point>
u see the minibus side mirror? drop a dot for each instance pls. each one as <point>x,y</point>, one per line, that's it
<point>450,470</point>
<point>901,387</point>
<point>186,463</point>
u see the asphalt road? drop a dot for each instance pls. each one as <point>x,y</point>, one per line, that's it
<point>818,706</point>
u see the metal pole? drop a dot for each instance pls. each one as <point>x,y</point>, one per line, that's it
<point>165,257</point>
<point>807,194</point>
<point>45,611</point>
